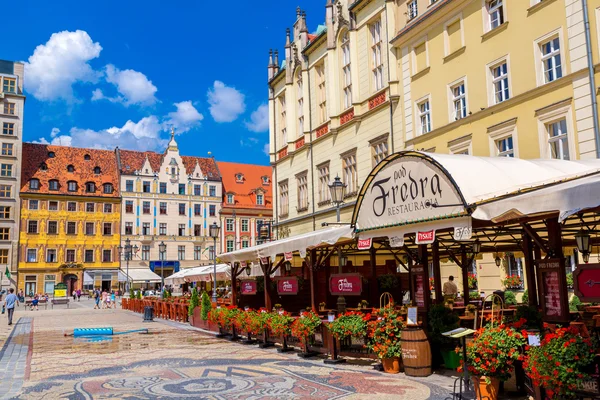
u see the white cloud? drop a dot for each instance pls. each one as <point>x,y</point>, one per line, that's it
<point>62,140</point>
<point>226,103</point>
<point>185,118</point>
<point>259,119</point>
<point>55,66</point>
<point>54,132</point>
<point>133,87</point>
<point>266,149</point>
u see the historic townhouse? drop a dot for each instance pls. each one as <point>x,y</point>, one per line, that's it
<point>332,112</point>
<point>172,199</point>
<point>247,210</point>
<point>504,78</point>
<point>12,104</point>
<point>70,211</point>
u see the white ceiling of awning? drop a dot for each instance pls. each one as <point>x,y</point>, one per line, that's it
<point>143,275</point>
<point>300,243</point>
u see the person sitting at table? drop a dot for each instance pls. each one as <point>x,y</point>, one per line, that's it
<point>450,289</point>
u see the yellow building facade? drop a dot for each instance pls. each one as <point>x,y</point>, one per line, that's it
<point>70,219</point>
<point>478,77</point>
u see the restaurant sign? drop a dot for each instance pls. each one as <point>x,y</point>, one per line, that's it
<point>248,287</point>
<point>287,285</point>
<point>586,282</point>
<point>364,244</point>
<point>407,189</point>
<point>345,284</point>
<point>552,288</point>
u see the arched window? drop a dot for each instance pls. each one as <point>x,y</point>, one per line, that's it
<point>34,184</point>
<point>108,188</point>
<point>70,168</point>
<point>300,102</point>
<point>97,170</point>
<point>346,72</point>
<point>72,186</point>
<point>90,187</point>
<point>53,184</point>
<point>87,157</point>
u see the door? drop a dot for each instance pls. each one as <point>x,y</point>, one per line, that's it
<point>30,288</point>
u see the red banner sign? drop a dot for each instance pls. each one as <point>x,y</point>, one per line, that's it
<point>288,256</point>
<point>243,264</point>
<point>425,237</point>
<point>553,289</point>
<point>586,282</point>
<point>287,285</point>
<point>248,287</point>
<point>345,284</point>
<point>364,244</point>
<point>264,260</point>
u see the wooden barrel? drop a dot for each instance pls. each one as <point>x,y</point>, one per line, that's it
<point>416,352</point>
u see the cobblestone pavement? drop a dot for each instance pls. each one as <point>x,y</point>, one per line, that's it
<point>171,362</point>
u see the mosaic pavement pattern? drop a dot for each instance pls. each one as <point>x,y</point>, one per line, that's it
<point>175,363</point>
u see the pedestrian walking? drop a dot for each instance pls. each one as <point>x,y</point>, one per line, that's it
<point>104,299</point>
<point>113,299</point>
<point>78,294</point>
<point>9,304</point>
<point>74,294</point>
<point>96,299</point>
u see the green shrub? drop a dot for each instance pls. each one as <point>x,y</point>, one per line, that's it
<point>205,306</point>
<point>441,320</point>
<point>574,303</point>
<point>525,298</point>
<point>509,298</point>
<point>194,302</point>
<point>570,280</point>
<point>529,314</point>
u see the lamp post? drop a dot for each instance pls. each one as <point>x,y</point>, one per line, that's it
<point>162,249</point>
<point>214,234</point>
<point>583,245</point>
<point>338,189</point>
<point>127,251</point>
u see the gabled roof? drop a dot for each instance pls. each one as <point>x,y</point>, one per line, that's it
<point>56,159</point>
<point>132,161</point>
<point>252,182</point>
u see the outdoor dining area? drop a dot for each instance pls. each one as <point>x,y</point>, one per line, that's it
<point>373,288</point>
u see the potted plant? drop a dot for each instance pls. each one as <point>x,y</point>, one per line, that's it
<point>277,307</point>
<point>472,281</point>
<point>322,306</point>
<point>206,306</point>
<point>384,338</point>
<point>513,282</point>
<point>363,304</point>
<point>304,329</point>
<point>510,299</point>
<point>559,363</point>
<point>280,324</point>
<point>470,310</point>
<point>194,302</point>
<point>491,357</point>
<point>440,321</point>
<point>351,323</point>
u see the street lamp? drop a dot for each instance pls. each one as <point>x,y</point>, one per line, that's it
<point>127,252</point>
<point>476,247</point>
<point>162,249</point>
<point>583,245</point>
<point>337,189</point>
<point>288,267</point>
<point>248,270</point>
<point>213,231</point>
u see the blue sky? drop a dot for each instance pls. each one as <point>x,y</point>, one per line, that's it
<point>108,73</point>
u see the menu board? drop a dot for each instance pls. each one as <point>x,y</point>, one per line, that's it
<point>419,290</point>
<point>553,290</point>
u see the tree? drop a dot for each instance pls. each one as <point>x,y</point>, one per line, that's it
<point>194,302</point>
<point>206,306</point>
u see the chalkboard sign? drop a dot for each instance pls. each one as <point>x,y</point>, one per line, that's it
<point>552,288</point>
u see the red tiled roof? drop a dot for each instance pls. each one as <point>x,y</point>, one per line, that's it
<point>134,160</point>
<point>35,155</point>
<point>245,190</point>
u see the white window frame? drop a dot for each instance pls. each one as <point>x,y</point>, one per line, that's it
<point>346,62</point>
<point>284,199</point>
<point>502,131</point>
<point>549,60</point>
<point>457,18</point>
<point>283,120</point>
<point>463,146</point>
<point>539,64</point>
<point>423,114</point>
<point>350,171</point>
<point>498,10</point>
<point>321,83</point>
<point>324,179</point>
<point>415,65</point>
<point>412,9</point>
<point>300,103</point>
<point>491,80</point>
<point>375,29</point>
<point>260,200</point>
<point>558,139</point>
<point>560,111</point>
<point>302,187</point>
<point>380,150</point>
<point>452,99</point>
<point>500,83</point>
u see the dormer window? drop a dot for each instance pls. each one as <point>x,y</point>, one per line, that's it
<point>53,184</point>
<point>239,178</point>
<point>172,162</point>
<point>72,186</point>
<point>51,154</point>
<point>87,157</point>
<point>265,180</point>
<point>90,187</point>
<point>70,168</point>
<point>230,198</point>
<point>34,184</point>
<point>43,167</point>
<point>173,171</point>
<point>259,200</point>
<point>97,170</point>
<point>108,188</point>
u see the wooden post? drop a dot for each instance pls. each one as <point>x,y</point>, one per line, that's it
<point>437,273</point>
<point>465,273</point>
<point>311,277</point>
<point>555,244</point>
<point>267,283</point>
<point>234,271</point>
<point>424,261</point>
<point>530,269</point>
<point>373,282</point>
